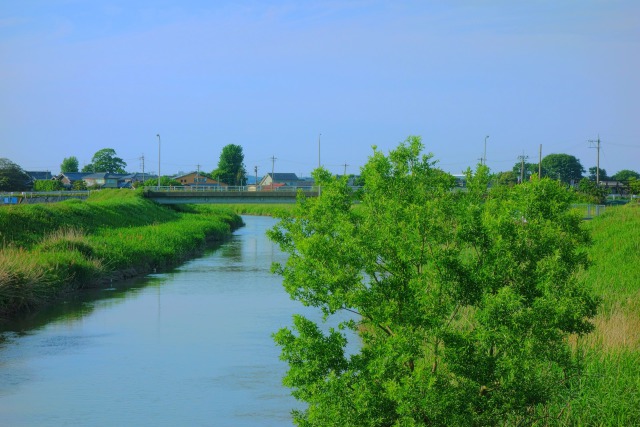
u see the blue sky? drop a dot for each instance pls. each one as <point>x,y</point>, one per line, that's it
<point>77,76</point>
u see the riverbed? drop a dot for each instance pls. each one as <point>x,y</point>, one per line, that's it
<point>189,347</point>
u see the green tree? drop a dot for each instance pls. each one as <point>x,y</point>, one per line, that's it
<point>79,185</point>
<point>529,170</point>
<point>593,192</point>
<point>165,181</point>
<point>594,173</point>
<point>69,164</point>
<point>231,169</point>
<point>625,174</point>
<point>105,160</point>
<point>509,178</point>
<point>463,301</point>
<point>634,185</point>
<point>47,185</point>
<point>12,176</point>
<point>563,167</point>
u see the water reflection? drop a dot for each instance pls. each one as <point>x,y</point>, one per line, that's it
<point>189,347</point>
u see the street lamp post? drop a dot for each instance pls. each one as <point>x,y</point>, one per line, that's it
<point>484,157</point>
<point>158,135</point>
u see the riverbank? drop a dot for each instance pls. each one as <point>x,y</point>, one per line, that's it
<point>609,392</point>
<point>51,249</point>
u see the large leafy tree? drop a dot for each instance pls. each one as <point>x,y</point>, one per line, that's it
<point>595,173</point>
<point>463,301</point>
<point>563,167</point>
<point>12,176</point>
<point>105,160</point>
<point>231,169</point>
<point>69,164</point>
<point>625,175</point>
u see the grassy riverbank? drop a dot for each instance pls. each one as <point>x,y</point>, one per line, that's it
<point>48,249</point>
<point>609,394</point>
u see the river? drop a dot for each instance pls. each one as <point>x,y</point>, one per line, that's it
<point>189,347</point>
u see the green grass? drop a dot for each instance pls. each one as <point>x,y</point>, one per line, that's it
<point>276,210</point>
<point>53,248</point>
<point>608,393</point>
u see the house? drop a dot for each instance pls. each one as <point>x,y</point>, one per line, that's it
<point>615,187</point>
<point>283,179</point>
<point>197,180</point>
<point>68,178</point>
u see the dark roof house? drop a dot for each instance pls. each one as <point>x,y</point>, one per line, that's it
<point>289,179</point>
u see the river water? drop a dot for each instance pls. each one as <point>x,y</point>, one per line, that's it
<point>190,347</point>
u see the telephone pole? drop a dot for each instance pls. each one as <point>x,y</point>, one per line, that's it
<point>484,156</point>
<point>197,177</point>
<point>540,162</point>
<point>142,160</point>
<point>522,159</point>
<point>597,147</point>
<point>345,168</point>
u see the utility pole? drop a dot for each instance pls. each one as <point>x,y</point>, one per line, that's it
<point>345,168</point>
<point>142,159</point>
<point>484,157</point>
<point>197,177</point>
<point>273,163</point>
<point>597,147</point>
<point>540,162</point>
<point>255,169</point>
<point>522,159</point>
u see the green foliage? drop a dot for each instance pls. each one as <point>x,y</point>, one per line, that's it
<point>508,178</point>
<point>12,177</point>
<point>563,167</point>
<point>69,164</point>
<point>114,233</point>
<point>594,173</point>
<point>165,181</point>
<point>105,160</point>
<point>463,300</point>
<point>79,185</point>
<point>529,170</point>
<point>634,185</point>
<point>593,192</point>
<point>47,185</point>
<point>625,175</point>
<point>231,169</point>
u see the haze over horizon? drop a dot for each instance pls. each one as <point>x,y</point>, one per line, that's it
<point>271,76</point>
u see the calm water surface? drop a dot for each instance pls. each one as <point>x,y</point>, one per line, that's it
<point>191,347</point>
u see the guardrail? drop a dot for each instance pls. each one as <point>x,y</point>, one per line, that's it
<point>17,197</point>
<point>233,189</point>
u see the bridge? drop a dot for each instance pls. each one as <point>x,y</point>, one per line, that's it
<point>225,195</point>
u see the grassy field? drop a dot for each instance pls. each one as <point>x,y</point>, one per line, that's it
<point>48,249</point>
<point>608,394</point>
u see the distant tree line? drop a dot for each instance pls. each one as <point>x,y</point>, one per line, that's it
<point>231,170</point>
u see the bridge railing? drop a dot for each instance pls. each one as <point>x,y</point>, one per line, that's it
<point>230,188</point>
